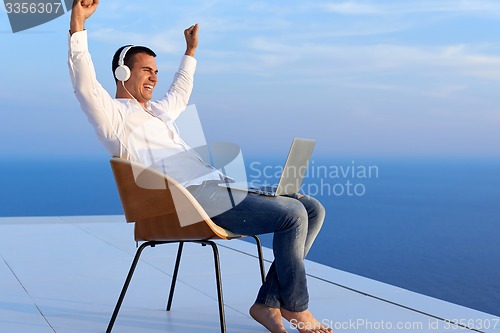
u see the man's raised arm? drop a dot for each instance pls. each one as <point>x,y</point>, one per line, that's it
<point>177,97</point>
<point>82,10</point>
<point>191,35</point>
<point>94,100</point>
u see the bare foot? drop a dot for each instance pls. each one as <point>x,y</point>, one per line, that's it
<point>268,317</point>
<point>305,322</point>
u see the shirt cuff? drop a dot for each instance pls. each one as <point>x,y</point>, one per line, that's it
<point>188,64</point>
<point>78,41</point>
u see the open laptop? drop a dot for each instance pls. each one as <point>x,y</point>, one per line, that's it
<point>292,175</point>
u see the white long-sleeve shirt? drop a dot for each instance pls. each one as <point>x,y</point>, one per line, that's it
<point>127,130</point>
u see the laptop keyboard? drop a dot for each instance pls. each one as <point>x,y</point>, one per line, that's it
<point>270,190</point>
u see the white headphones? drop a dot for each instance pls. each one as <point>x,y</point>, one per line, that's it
<point>122,72</point>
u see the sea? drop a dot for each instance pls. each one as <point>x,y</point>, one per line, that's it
<point>430,225</point>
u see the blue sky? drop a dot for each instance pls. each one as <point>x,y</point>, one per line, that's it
<point>365,78</point>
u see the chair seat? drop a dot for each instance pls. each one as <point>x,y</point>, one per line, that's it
<point>159,229</point>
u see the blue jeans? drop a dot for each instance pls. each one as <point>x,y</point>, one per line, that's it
<point>295,224</point>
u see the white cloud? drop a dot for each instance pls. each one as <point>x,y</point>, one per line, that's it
<point>320,60</point>
<point>167,42</point>
<point>352,8</point>
<point>411,6</point>
<point>463,6</point>
<point>447,91</point>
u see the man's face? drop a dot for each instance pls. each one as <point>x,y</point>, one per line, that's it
<point>143,77</point>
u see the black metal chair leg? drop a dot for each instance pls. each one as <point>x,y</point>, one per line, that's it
<point>222,317</point>
<point>174,277</point>
<point>127,282</point>
<point>261,258</point>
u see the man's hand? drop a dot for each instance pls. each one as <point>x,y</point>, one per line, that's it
<point>82,10</point>
<point>191,35</point>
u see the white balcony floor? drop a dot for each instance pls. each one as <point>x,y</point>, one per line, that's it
<point>64,274</point>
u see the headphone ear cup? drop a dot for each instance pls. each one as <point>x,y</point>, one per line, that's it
<point>122,73</point>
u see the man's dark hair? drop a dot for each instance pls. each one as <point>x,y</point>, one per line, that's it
<point>129,56</point>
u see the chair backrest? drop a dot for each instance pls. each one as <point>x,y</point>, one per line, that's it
<point>161,208</point>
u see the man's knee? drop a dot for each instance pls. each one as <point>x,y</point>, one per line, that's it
<point>320,211</point>
<point>315,210</point>
<point>294,215</point>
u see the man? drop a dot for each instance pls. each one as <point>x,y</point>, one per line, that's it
<point>131,126</point>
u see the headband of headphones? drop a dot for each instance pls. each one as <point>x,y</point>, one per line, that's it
<point>122,72</point>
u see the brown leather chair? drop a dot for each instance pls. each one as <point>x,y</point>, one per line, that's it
<point>165,212</point>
